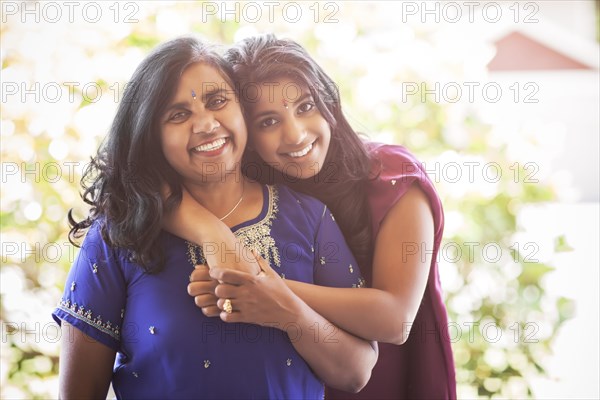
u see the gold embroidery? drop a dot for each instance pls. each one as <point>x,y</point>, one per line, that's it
<point>256,236</point>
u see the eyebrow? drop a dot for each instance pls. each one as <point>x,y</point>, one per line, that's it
<point>186,104</point>
<point>300,99</point>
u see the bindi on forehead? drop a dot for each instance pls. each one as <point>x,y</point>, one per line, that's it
<point>199,80</point>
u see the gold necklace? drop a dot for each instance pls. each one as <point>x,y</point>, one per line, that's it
<point>237,204</point>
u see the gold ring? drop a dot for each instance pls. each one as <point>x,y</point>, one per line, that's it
<point>227,307</point>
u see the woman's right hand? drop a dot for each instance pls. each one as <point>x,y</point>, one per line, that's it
<point>202,289</point>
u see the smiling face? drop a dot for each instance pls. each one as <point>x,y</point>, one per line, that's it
<point>287,130</point>
<point>203,132</point>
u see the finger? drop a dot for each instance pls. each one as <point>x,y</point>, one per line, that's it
<point>206,300</point>
<point>200,273</point>
<point>230,318</point>
<point>262,263</point>
<point>211,311</point>
<point>230,276</point>
<point>202,287</point>
<point>236,305</point>
<point>226,291</point>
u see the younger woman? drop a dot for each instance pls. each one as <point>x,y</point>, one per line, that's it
<point>382,199</point>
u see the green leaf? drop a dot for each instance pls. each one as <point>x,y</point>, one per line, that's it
<point>532,273</point>
<point>561,245</point>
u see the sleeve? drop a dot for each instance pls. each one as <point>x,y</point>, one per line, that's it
<point>334,264</point>
<point>397,170</point>
<point>95,291</point>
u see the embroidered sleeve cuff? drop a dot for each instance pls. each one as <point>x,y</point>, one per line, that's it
<point>92,325</point>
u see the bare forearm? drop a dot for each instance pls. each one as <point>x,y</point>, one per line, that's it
<point>368,313</point>
<point>340,359</point>
<point>220,246</point>
<point>223,249</point>
<point>192,222</point>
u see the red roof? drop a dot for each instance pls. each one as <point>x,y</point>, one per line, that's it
<point>518,52</point>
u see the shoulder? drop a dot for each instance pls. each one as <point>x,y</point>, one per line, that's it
<point>94,240</point>
<point>394,161</point>
<point>394,171</point>
<point>287,194</point>
<point>395,165</point>
<point>299,204</point>
<point>97,250</point>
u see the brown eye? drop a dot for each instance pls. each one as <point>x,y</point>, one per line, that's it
<point>217,102</point>
<point>306,107</point>
<point>267,122</point>
<point>179,116</point>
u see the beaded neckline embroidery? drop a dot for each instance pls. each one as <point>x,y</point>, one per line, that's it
<point>256,236</point>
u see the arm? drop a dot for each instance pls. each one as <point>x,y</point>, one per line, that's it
<point>386,311</point>
<point>80,378</point>
<point>191,221</point>
<point>340,359</point>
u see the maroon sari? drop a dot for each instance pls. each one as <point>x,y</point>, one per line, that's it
<point>423,367</point>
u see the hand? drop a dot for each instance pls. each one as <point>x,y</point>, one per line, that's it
<point>202,288</point>
<point>262,299</point>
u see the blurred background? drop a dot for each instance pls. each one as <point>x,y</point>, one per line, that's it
<point>500,100</point>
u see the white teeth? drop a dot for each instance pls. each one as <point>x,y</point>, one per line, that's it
<point>302,152</point>
<point>217,144</point>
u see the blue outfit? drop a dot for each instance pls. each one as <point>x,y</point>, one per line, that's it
<point>166,347</point>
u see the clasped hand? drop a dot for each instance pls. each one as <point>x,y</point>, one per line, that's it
<point>262,299</point>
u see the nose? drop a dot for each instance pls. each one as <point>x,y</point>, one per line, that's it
<point>205,122</point>
<point>294,133</point>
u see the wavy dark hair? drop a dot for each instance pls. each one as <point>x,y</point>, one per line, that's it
<point>342,180</point>
<point>122,182</point>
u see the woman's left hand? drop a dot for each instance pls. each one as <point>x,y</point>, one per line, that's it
<point>262,299</point>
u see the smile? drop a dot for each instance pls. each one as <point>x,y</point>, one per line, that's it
<point>302,152</point>
<point>212,146</point>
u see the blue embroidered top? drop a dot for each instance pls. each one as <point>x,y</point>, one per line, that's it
<point>166,347</point>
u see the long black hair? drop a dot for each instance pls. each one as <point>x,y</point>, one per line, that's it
<point>122,182</point>
<point>342,180</point>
